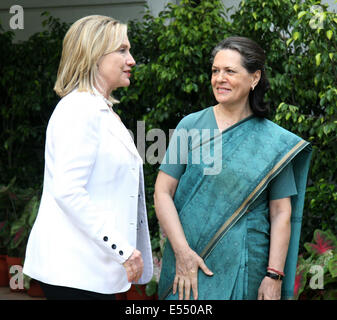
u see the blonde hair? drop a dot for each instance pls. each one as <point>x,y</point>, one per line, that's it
<point>86,41</point>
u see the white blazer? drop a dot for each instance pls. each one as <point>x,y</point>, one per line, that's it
<point>92,213</point>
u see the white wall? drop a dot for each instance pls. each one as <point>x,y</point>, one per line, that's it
<point>67,11</point>
<point>71,10</point>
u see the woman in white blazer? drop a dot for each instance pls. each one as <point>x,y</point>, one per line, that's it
<point>90,239</point>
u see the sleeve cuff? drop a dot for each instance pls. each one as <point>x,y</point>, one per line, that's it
<point>114,244</point>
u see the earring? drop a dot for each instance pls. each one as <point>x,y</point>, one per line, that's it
<point>253,88</point>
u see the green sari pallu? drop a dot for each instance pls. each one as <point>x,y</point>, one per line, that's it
<point>224,216</point>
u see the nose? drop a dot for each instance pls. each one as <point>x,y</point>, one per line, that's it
<point>222,76</point>
<point>130,61</point>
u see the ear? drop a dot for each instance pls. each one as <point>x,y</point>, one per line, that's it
<point>256,76</point>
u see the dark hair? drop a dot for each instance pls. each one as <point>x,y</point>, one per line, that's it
<point>252,59</point>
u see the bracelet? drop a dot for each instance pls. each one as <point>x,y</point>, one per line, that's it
<point>276,271</point>
<point>274,276</point>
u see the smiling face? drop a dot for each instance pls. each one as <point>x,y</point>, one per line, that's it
<point>114,69</point>
<point>231,82</point>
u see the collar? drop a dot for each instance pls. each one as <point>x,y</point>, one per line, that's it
<point>97,93</point>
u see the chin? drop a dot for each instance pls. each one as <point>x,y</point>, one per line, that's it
<point>125,83</point>
<point>222,100</point>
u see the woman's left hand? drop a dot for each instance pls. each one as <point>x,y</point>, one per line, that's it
<point>270,289</point>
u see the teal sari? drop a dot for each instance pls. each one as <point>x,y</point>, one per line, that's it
<point>225,216</point>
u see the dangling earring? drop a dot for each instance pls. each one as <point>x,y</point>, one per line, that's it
<point>253,88</point>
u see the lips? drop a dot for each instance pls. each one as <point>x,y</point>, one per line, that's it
<point>223,90</point>
<point>128,73</point>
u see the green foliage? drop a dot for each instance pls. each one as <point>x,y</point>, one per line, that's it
<point>20,228</point>
<point>28,73</point>
<point>18,210</point>
<point>316,275</point>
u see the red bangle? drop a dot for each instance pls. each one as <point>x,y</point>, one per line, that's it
<point>276,271</point>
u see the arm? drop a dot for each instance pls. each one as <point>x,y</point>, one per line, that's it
<point>280,213</point>
<point>187,261</point>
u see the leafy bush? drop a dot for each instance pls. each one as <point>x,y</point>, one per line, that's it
<point>28,73</point>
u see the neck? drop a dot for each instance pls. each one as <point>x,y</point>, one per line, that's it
<point>233,113</point>
<point>102,88</point>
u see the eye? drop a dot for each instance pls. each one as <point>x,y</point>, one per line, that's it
<point>214,71</point>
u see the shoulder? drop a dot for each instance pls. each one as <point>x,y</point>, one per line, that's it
<point>80,100</point>
<point>192,120</point>
<point>79,104</point>
<point>275,130</point>
<point>77,108</point>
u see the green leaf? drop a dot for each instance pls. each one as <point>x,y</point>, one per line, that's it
<point>318,59</point>
<point>255,15</point>
<point>151,288</point>
<point>332,266</point>
<point>296,35</point>
<point>301,14</point>
<point>289,41</point>
<point>329,34</point>
<point>331,56</point>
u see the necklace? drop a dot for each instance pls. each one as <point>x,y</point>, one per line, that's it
<point>109,103</point>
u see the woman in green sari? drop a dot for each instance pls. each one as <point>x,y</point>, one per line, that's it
<point>230,191</point>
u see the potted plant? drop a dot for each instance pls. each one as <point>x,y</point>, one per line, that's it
<point>316,274</point>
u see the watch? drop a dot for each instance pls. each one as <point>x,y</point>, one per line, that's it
<point>274,276</point>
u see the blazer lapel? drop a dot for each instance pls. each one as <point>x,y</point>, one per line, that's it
<point>118,129</point>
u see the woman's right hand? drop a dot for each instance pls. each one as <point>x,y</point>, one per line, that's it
<point>188,263</point>
<point>134,266</point>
